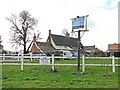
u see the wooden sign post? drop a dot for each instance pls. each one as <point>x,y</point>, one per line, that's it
<point>79,24</point>
<point>78,71</point>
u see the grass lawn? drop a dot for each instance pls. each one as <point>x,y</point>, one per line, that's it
<point>43,77</point>
<point>87,61</point>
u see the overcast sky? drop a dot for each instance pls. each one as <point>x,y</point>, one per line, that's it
<point>56,15</point>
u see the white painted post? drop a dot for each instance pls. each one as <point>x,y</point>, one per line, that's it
<point>53,62</point>
<point>31,56</point>
<point>40,60</point>
<point>63,55</point>
<point>22,63</point>
<point>18,56</point>
<point>4,57</point>
<point>113,63</point>
<point>83,63</point>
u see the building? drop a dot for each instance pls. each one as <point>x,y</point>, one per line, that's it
<point>60,42</point>
<point>54,43</point>
<point>46,47</point>
<point>114,49</point>
<point>88,50</point>
<point>34,48</point>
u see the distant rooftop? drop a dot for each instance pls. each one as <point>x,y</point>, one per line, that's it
<point>65,41</point>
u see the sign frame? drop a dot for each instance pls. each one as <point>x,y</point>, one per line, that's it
<point>78,20</point>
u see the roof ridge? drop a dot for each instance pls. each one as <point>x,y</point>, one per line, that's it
<point>64,36</point>
<point>57,35</point>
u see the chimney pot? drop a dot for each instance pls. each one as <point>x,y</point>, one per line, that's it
<point>34,38</point>
<point>67,34</point>
<point>49,37</point>
<point>49,32</point>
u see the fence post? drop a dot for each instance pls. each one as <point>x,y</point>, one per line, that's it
<point>22,63</point>
<point>31,56</point>
<point>4,57</point>
<point>53,62</point>
<point>113,63</point>
<point>63,55</point>
<point>18,56</point>
<point>83,63</point>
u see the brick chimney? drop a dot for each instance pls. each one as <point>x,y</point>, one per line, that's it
<point>49,32</point>
<point>49,37</point>
<point>67,34</point>
<point>34,38</point>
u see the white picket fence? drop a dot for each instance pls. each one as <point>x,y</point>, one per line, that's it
<point>17,57</point>
<point>83,62</point>
<point>31,57</point>
<point>22,58</point>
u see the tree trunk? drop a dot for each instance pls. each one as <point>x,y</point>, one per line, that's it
<point>25,49</point>
<point>29,47</point>
<point>25,52</point>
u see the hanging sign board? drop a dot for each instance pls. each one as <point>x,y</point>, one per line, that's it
<point>79,23</point>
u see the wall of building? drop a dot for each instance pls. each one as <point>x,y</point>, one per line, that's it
<point>114,47</point>
<point>34,48</point>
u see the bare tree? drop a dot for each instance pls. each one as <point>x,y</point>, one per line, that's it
<point>21,28</point>
<point>65,32</point>
<point>1,46</point>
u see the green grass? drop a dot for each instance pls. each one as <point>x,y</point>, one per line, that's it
<point>43,77</point>
<point>87,61</point>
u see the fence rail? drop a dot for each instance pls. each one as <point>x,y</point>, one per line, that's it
<point>59,64</point>
<point>23,57</point>
<point>17,57</point>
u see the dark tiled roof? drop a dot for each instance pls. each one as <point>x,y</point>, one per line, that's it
<point>45,47</point>
<point>65,41</point>
<point>89,47</point>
